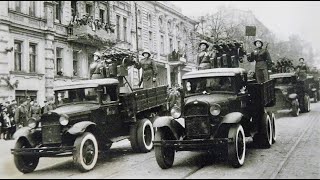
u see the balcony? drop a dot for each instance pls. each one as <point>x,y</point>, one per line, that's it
<point>91,35</point>
<point>176,59</point>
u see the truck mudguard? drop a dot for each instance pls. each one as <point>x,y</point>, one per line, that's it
<point>168,121</point>
<point>80,127</point>
<point>234,117</point>
<point>25,132</point>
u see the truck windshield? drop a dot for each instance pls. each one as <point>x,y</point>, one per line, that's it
<point>208,85</point>
<point>77,95</point>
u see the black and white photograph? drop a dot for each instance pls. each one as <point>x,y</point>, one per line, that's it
<point>159,90</point>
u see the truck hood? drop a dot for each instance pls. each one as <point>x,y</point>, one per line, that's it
<point>211,98</point>
<point>74,109</point>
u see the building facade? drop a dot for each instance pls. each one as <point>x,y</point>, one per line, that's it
<point>44,43</point>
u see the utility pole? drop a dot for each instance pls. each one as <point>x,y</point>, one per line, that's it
<point>137,38</point>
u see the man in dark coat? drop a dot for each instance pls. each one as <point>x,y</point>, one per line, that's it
<point>263,60</point>
<point>21,115</point>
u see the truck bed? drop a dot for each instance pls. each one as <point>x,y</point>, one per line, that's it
<point>262,94</point>
<point>144,99</point>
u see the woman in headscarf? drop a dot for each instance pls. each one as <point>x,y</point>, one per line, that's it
<point>150,70</point>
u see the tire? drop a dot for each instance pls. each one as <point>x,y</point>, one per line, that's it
<point>86,155</point>
<point>25,164</point>
<point>164,155</point>
<point>133,138</point>
<point>305,106</point>
<point>145,135</point>
<point>236,148</point>
<point>295,110</point>
<point>263,138</point>
<point>274,134</point>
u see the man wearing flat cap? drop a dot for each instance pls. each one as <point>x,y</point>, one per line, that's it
<point>302,69</point>
<point>263,61</point>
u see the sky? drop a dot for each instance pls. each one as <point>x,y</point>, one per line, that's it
<point>281,17</point>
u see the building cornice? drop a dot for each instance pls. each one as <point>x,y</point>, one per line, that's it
<point>174,12</point>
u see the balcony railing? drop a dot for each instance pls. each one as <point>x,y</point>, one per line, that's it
<point>91,33</point>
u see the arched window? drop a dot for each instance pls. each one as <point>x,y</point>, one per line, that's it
<point>149,20</point>
<point>185,34</point>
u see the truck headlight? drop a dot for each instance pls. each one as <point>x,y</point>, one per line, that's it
<point>215,109</point>
<point>32,123</point>
<point>175,112</point>
<point>64,120</point>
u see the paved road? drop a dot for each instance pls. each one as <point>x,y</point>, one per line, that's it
<point>294,155</point>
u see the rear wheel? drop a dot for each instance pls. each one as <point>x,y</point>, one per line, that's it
<point>274,135</point>
<point>24,163</point>
<point>164,155</point>
<point>145,135</point>
<point>263,138</point>
<point>237,148</point>
<point>305,106</point>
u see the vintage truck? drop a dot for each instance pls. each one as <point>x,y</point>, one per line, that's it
<point>220,108</point>
<point>91,115</point>
<point>292,93</point>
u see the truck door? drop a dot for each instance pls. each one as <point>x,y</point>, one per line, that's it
<point>110,108</point>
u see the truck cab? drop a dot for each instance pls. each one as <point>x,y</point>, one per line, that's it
<point>220,108</point>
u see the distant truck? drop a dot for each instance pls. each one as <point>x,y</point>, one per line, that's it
<point>91,115</point>
<point>220,108</point>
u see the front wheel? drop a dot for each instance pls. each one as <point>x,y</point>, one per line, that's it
<point>295,109</point>
<point>236,148</point>
<point>24,163</point>
<point>164,155</point>
<point>86,155</point>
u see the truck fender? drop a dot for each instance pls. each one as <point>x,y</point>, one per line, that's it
<point>80,127</point>
<point>231,118</point>
<point>168,121</point>
<point>27,133</point>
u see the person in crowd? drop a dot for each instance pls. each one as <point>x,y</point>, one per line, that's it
<point>21,114</point>
<point>263,60</point>
<point>150,70</point>
<point>35,111</point>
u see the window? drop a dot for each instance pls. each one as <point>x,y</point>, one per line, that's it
<point>108,12</point>
<point>178,44</point>
<point>171,45</point>
<point>139,38</point>
<point>150,41</point>
<point>125,29</point>
<point>75,63</point>
<point>169,27</point>
<point>17,55</point>
<point>59,61</point>
<point>58,10</point>
<point>149,20</point>
<point>177,30</point>
<point>18,6</point>
<point>32,57</point>
<point>22,94</point>
<point>139,16</point>
<point>162,44</point>
<point>32,8</point>
<point>89,9</point>
<point>74,8</point>
<point>160,23</point>
<point>118,27</point>
<point>102,16</point>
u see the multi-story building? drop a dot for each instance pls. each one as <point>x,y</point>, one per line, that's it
<point>43,43</point>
